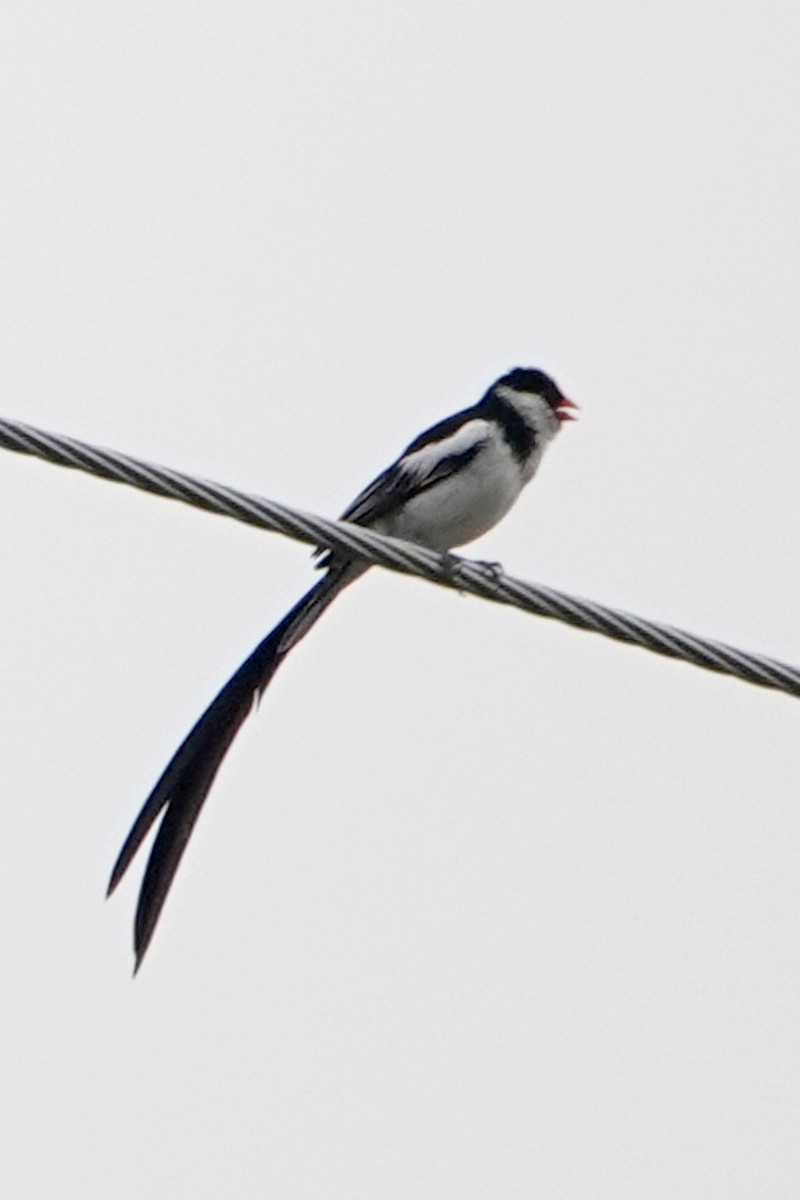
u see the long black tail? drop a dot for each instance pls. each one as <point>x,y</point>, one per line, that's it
<point>186,781</point>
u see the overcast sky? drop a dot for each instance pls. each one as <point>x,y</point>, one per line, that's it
<point>481,906</point>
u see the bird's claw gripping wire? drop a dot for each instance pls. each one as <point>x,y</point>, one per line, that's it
<point>453,567</point>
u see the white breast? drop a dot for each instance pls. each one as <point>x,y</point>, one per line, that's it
<point>465,505</point>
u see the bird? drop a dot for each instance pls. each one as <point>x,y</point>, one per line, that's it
<point>450,485</point>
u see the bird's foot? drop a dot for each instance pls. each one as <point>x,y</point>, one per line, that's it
<point>493,569</point>
<point>453,566</point>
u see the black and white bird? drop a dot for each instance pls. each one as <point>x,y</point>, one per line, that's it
<point>449,486</point>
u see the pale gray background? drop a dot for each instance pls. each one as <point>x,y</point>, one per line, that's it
<point>481,907</point>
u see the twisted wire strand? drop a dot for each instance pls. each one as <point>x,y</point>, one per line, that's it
<point>488,583</point>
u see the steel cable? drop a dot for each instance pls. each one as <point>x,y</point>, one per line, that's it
<point>462,574</point>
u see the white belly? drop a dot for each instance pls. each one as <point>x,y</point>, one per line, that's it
<point>462,507</point>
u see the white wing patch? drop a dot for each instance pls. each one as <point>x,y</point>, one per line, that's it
<point>388,496</point>
<point>423,462</point>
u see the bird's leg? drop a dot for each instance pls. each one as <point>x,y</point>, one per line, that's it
<point>451,565</point>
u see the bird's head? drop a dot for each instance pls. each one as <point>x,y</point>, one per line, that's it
<point>539,390</point>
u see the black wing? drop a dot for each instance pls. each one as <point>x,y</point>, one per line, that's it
<point>433,456</point>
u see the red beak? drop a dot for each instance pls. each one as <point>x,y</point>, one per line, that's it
<point>562,405</point>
